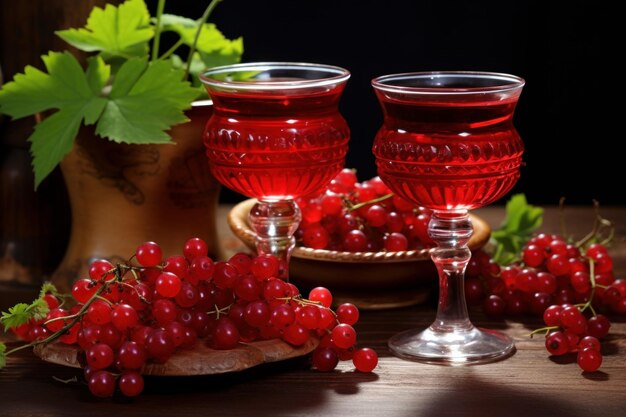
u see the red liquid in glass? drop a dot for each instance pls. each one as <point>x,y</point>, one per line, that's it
<point>276,145</point>
<point>448,154</point>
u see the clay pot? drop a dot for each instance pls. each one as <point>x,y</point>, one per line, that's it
<point>122,195</point>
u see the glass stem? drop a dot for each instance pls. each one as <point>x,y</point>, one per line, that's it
<point>275,223</point>
<point>451,231</point>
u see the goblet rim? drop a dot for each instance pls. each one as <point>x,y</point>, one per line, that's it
<point>510,82</point>
<point>337,75</point>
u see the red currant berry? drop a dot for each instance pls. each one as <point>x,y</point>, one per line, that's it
<point>149,254</point>
<point>589,359</point>
<point>321,295</point>
<point>347,313</point>
<point>195,247</point>
<point>324,359</point>
<point>365,360</point>
<point>557,344</point>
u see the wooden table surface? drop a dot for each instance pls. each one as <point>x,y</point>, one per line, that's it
<point>527,384</point>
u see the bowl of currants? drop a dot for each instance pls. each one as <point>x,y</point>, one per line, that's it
<point>367,245</point>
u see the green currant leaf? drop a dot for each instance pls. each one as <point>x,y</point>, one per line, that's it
<point>39,309</point>
<point>146,99</point>
<point>53,139</point>
<point>218,58</point>
<point>15,317</point>
<point>65,84</point>
<point>197,66</point>
<point>114,31</point>
<point>98,74</point>
<point>65,87</point>
<point>48,288</point>
<point>522,219</point>
<point>3,357</point>
<point>214,48</point>
<point>22,313</point>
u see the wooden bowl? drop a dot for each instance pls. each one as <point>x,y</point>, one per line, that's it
<point>371,280</point>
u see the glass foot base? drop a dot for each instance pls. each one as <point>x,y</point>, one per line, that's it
<point>459,347</point>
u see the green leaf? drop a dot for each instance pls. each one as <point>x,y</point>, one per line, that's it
<point>15,317</point>
<point>522,219</point>
<point>98,73</point>
<point>214,48</point>
<point>65,87</point>
<point>39,309</point>
<point>48,288</point>
<point>114,31</point>
<point>3,356</point>
<point>35,91</point>
<point>146,99</point>
<point>128,74</point>
<point>53,139</point>
<point>197,66</point>
<point>22,313</point>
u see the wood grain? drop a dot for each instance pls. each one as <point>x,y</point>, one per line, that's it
<point>528,384</point>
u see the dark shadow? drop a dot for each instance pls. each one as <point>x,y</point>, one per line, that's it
<point>610,346</point>
<point>563,359</point>
<point>596,376</point>
<point>476,397</point>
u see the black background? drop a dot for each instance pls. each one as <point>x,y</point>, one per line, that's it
<point>568,115</point>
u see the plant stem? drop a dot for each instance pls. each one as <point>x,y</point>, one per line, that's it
<point>59,333</point>
<point>374,201</point>
<point>65,381</point>
<point>157,33</point>
<point>201,22</point>
<point>171,50</point>
<point>592,278</point>
<point>596,226</point>
<point>219,311</point>
<point>545,330</point>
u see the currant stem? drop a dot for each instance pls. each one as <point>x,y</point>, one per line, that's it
<point>61,332</point>
<point>141,297</point>
<point>596,226</point>
<point>374,201</point>
<point>611,235</point>
<point>170,51</point>
<point>218,311</point>
<point>119,273</point>
<point>65,381</point>
<point>64,318</point>
<point>105,300</point>
<point>302,301</point>
<point>305,302</point>
<point>592,278</point>
<point>545,330</point>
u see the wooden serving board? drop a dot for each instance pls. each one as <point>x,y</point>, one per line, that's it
<point>201,360</point>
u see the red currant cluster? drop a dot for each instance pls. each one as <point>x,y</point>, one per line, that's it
<point>570,331</point>
<point>359,217</point>
<point>561,283</point>
<point>129,315</point>
<point>551,272</point>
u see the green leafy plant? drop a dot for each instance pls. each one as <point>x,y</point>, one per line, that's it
<point>129,90</point>
<point>522,219</point>
<point>23,313</point>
